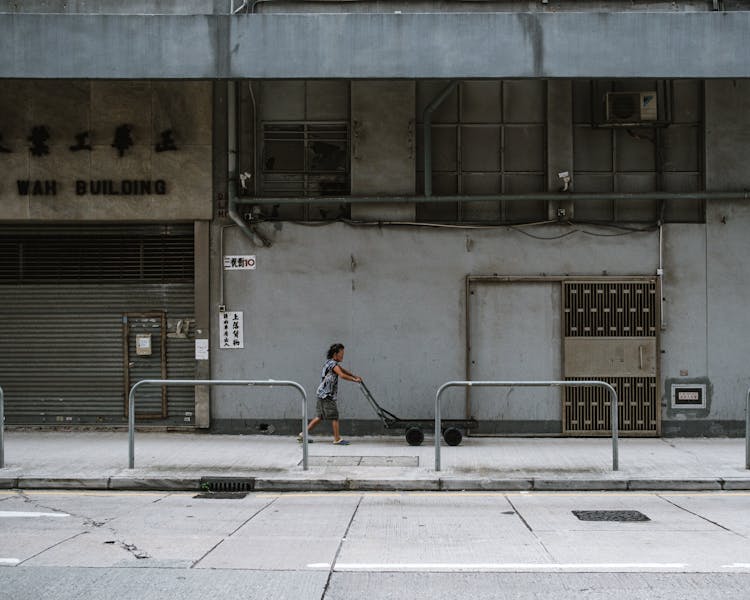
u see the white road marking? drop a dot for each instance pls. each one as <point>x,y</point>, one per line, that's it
<point>736,566</point>
<point>12,514</point>
<point>452,567</point>
<point>9,561</point>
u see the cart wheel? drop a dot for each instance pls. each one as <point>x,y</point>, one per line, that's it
<point>414,436</point>
<point>452,436</point>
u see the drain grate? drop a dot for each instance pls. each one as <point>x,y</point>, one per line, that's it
<point>222,495</point>
<point>228,484</point>
<point>620,516</point>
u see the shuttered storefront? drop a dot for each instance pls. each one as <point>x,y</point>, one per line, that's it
<point>86,310</point>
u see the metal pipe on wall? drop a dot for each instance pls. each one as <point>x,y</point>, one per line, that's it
<point>233,137</point>
<point>541,196</point>
<point>660,275</point>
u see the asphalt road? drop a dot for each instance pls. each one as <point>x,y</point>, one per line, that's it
<point>150,545</point>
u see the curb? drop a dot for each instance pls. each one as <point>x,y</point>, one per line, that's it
<point>341,484</point>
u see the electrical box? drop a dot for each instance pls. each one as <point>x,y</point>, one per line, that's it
<point>688,395</point>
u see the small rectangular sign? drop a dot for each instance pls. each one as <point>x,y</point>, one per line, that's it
<point>237,263</point>
<point>201,349</point>
<point>231,330</point>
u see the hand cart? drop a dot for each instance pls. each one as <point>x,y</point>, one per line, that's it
<point>450,428</point>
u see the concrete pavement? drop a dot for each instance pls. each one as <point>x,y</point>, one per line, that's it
<point>190,461</point>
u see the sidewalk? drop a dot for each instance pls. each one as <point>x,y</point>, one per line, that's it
<point>183,461</point>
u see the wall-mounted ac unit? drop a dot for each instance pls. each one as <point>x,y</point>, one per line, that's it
<point>630,107</point>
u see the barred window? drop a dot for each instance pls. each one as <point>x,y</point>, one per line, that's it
<point>305,159</point>
<point>488,137</point>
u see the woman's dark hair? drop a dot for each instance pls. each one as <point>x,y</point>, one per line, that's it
<point>334,349</point>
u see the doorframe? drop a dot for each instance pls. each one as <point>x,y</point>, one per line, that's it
<point>495,279</point>
<point>162,316</point>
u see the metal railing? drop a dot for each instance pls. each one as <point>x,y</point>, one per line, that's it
<point>2,429</point>
<point>612,392</point>
<point>248,382</point>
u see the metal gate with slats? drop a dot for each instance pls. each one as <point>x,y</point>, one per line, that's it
<point>610,333</point>
<point>63,295</point>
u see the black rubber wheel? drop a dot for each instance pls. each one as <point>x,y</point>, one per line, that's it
<point>414,436</point>
<point>452,436</point>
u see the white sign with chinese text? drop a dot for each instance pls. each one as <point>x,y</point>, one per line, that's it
<point>231,332</point>
<point>236,263</point>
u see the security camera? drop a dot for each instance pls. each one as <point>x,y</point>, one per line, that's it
<point>565,177</point>
<point>244,179</point>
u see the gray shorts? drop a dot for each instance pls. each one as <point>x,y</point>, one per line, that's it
<point>327,409</point>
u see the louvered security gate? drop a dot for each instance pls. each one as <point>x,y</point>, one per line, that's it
<point>610,334</point>
<point>63,295</point>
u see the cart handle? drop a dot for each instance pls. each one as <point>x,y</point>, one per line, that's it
<point>384,414</point>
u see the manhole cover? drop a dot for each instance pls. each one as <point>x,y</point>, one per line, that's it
<point>620,516</point>
<point>222,495</point>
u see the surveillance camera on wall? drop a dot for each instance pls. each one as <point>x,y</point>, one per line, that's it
<point>245,179</point>
<point>565,176</point>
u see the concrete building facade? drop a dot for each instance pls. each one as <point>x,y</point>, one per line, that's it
<point>507,190</point>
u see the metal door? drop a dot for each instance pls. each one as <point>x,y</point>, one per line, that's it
<point>513,333</point>
<point>145,352</point>
<point>610,334</point>
<point>63,293</point>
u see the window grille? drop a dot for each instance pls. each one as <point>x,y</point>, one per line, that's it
<point>305,159</point>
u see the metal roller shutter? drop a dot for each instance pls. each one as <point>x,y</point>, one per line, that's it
<point>64,293</point>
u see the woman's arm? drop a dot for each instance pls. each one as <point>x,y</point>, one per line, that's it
<point>342,372</point>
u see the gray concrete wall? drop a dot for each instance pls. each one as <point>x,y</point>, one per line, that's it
<point>395,297</point>
<point>192,7</point>
<point>377,45</point>
<point>68,108</point>
<point>728,271</point>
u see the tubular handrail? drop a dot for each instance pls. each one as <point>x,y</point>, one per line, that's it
<point>2,428</point>
<point>604,384</point>
<point>248,382</point>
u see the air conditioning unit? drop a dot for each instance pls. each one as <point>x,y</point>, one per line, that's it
<point>630,107</point>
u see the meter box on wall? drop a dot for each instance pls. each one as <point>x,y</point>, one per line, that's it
<point>688,395</point>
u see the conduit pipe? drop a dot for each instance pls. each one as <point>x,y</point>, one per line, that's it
<point>427,134</point>
<point>660,276</point>
<point>232,165</point>
<point>545,196</point>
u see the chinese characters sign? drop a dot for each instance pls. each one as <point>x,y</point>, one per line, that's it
<point>231,332</point>
<point>38,139</point>
<point>122,141</point>
<point>236,263</point>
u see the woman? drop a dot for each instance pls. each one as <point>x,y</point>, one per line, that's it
<point>326,407</point>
